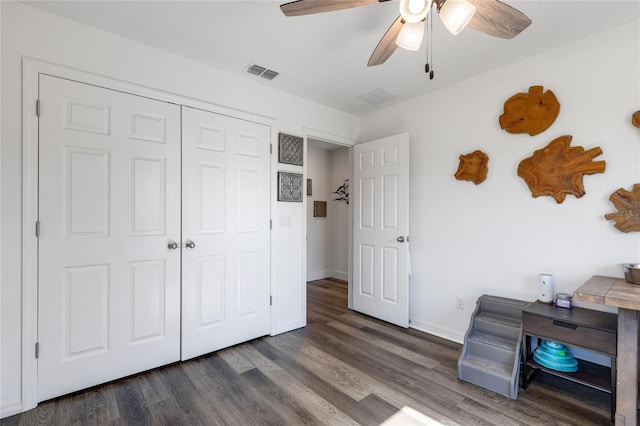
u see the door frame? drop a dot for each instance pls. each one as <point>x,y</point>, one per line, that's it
<point>31,70</point>
<point>346,143</point>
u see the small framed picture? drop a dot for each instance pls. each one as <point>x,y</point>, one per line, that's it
<point>319,209</point>
<point>289,187</point>
<point>290,149</point>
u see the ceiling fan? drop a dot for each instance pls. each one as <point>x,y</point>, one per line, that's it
<point>488,16</point>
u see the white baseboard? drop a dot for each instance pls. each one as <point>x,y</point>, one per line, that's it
<point>436,330</point>
<point>344,276</point>
<point>318,275</point>
<point>10,407</point>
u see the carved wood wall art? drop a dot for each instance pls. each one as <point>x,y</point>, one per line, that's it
<point>473,167</point>
<point>531,112</point>
<point>635,119</point>
<point>628,204</point>
<point>557,169</point>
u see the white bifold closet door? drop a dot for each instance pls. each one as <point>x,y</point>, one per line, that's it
<point>109,200</point>
<point>226,231</point>
<point>154,242</point>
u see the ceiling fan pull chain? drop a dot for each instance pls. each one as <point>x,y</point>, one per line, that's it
<point>427,67</point>
<point>431,74</point>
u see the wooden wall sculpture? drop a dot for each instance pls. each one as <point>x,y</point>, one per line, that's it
<point>635,119</point>
<point>531,112</point>
<point>628,204</point>
<point>557,169</point>
<point>473,167</point>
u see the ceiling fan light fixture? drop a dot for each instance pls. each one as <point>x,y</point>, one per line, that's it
<point>413,11</point>
<point>411,35</point>
<point>456,14</point>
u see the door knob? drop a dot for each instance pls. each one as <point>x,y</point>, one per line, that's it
<point>172,245</point>
<point>190,244</point>
<point>400,239</point>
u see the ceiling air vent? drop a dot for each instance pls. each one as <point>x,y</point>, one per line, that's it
<point>377,96</point>
<point>262,72</point>
<point>269,74</point>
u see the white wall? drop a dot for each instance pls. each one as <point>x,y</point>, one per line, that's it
<point>495,238</point>
<point>338,213</point>
<point>26,31</point>
<point>328,237</point>
<point>318,228</point>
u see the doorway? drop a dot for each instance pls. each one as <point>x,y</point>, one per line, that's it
<point>327,210</point>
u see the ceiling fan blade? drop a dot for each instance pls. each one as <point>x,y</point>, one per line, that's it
<point>498,19</point>
<point>308,7</point>
<point>387,44</point>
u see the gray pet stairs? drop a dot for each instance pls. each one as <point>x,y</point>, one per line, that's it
<point>490,357</point>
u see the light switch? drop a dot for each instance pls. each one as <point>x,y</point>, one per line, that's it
<point>286,222</point>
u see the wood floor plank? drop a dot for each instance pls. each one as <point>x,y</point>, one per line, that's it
<point>398,336</point>
<point>319,386</point>
<point>345,378</point>
<point>101,404</point>
<point>235,360</point>
<point>251,404</point>
<point>192,402</point>
<point>323,410</point>
<point>132,407</point>
<point>289,409</point>
<point>153,387</point>
<point>386,345</point>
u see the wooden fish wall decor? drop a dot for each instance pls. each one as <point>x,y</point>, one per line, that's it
<point>557,169</point>
<point>531,112</point>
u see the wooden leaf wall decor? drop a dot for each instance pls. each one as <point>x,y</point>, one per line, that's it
<point>557,169</point>
<point>473,167</point>
<point>531,112</point>
<point>628,204</point>
<point>635,119</point>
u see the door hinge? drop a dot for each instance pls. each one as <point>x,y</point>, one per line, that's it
<point>270,300</point>
<point>38,107</point>
<point>270,148</point>
<point>37,350</point>
<point>37,229</point>
<point>270,223</point>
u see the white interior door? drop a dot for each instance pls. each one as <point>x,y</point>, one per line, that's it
<point>226,231</point>
<point>381,229</point>
<point>109,200</point>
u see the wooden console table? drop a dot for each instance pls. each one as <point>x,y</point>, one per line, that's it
<point>585,328</point>
<point>617,292</point>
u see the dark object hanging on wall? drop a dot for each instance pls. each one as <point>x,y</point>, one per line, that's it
<point>290,149</point>
<point>289,187</point>
<point>343,192</point>
<point>319,209</point>
<point>635,119</point>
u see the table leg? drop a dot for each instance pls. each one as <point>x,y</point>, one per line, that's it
<point>627,375</point>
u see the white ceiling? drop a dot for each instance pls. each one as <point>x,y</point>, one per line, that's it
<point>323,57</point>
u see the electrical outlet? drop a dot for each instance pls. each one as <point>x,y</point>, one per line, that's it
<point>459,302</point>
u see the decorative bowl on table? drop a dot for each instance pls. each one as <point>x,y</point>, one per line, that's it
<point>631,272</point>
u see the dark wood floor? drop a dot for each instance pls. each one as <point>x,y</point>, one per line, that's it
<point>343,368</point>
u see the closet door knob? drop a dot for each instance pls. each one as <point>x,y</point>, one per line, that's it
<point>190,244</point>
<point>172,245</point>
<point>400,239</point>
